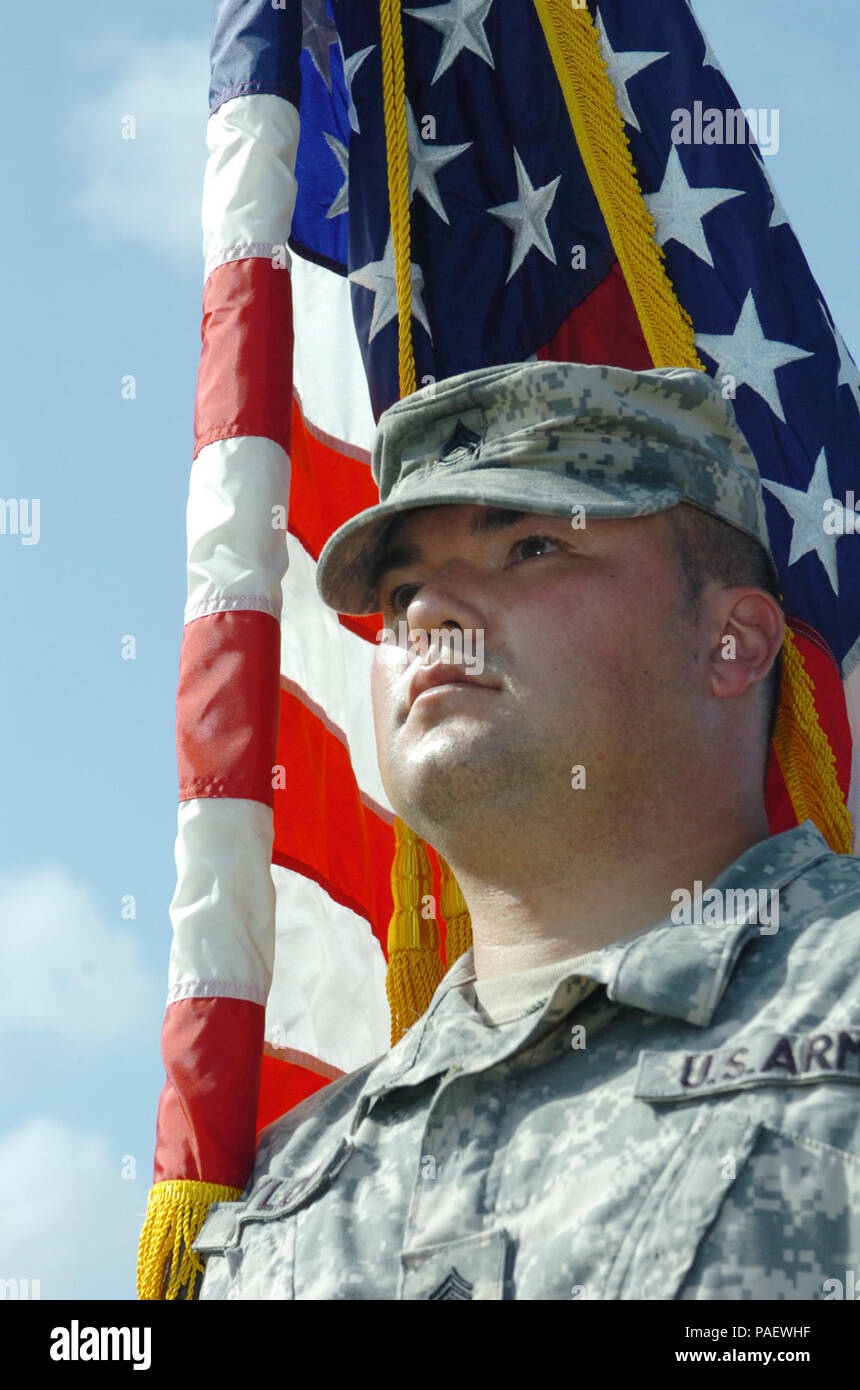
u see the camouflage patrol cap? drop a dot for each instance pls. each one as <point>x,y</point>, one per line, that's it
<point>540,437</point>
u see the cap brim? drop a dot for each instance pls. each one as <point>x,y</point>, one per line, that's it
<point>347,567</point>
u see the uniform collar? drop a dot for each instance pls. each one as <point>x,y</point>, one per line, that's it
<point>674,969</point>
<point>682,971</point>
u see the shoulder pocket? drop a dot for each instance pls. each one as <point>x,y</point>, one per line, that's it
<point>249,1246</point>
<point>271,1198</point>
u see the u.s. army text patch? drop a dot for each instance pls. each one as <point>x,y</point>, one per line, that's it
<point>762,1059</point>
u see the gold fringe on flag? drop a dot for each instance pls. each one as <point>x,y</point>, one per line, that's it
<point>806,760</point>
<point>414,961</point>
<point>167,1267</point>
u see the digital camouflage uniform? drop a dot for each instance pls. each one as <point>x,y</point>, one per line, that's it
<point>678,1118</point>
<point>701,1139</point>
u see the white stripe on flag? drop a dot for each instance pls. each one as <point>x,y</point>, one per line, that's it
<point>328,990</point>
<point>249,188</point>
<point>236,556</point>
<point>328,372</point>
<point>223,909</point>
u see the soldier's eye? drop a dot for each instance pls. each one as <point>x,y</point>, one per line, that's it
<point>526,548</point>
<point>399,598</point>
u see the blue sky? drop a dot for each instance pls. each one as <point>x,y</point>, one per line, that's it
<point>104,279</point>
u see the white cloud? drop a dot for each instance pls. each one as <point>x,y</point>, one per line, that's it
<point>63,970</point>
<point>147,189</point>
<point>68,1217</point>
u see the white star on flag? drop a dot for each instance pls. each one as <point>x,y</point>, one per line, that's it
<point>378,277</point>
<point>341,154</point>
<point>461,22</point>
<point>751,358</point>
<point>807,513</point>
<point>526,216</point>
<point>426,159</point>
<point>623,66</point>
<point>678,208</point>
<point>318,35</point>
<point>350,68</point>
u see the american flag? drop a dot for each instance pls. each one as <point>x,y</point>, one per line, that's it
<point>277,975</point>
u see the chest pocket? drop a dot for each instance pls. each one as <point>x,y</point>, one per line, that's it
<point>249,1247</point>
<point>664,1237</point>
<point>745,1208</point>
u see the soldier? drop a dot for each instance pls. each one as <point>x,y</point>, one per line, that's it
<point>641,1081</point>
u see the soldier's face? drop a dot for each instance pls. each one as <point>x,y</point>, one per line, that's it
<point>569,655</point>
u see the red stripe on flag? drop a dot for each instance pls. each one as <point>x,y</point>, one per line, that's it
<point>245,379</point>
<point>282,1086</point>
<point>327,486</point>
<point>603,328</point>
<point>212,1050</point>
<point>366,627</point>
<point>320,815</point>
<point>227,706</point>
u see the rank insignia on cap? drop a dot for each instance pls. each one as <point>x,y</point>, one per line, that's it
<point>462,444</point>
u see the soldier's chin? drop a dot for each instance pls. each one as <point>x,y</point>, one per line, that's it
<point>452,789</point>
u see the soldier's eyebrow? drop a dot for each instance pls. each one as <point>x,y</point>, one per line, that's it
<point>487,521</point>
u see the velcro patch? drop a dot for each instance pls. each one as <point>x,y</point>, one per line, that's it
<point>764,1059</point>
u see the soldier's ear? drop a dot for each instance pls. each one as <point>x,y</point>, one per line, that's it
<point>748,629</point>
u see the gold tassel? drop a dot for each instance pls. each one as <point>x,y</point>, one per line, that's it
<point>458,930</point>
<point>414,962</point>
<point>805,757</point>
<point>167,1267</point>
